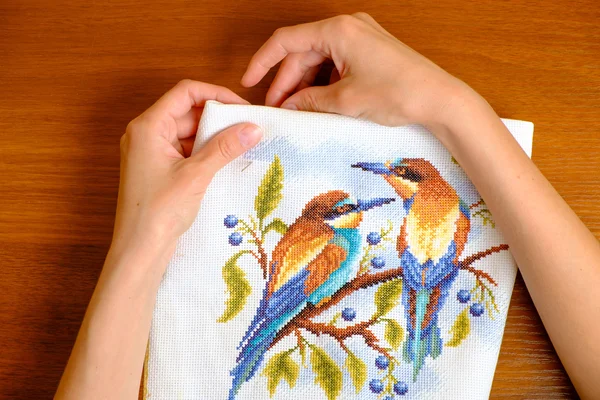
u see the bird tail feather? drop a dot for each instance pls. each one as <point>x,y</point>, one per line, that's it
<point>422,341</point>
<point>250,358</point>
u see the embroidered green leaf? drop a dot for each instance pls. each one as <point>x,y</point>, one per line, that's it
<point>357,370</point>
<point>486,217</point>
<point>461,329</point>
<point>335,319</point>
<point>394,333</point>
<point>328,374</point>
<point>276,225</point>
<point>281,366</point>
<point>385,232</point>
<point>238,287</point>
<point>302,348</point>
<point>387,296</point>
<point>269,192</point>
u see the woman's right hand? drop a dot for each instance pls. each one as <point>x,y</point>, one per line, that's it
<point>376,77</point>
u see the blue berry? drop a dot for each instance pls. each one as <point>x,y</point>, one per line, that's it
<point>400,388</point>
<point>373,238</point>
<point>376,386</point>
<point>348,314</point>
<point>463,296</point>
<point>378,262</point>
<point>235,239</point>
<point>230,221</point>
<point>382,362</point>
<point>477,309</point>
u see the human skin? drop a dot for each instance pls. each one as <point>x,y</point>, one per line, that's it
<point>160,192</point>
<point>379,78</point>
<point>376,77</point>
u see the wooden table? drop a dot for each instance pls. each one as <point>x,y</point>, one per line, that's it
<point>73,73</point>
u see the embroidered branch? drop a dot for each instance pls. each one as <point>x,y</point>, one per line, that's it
<point>340,334</point>
<point>262,260</point>
<point>303,319</point>
<point>261,257</point>
<point>466,263</point>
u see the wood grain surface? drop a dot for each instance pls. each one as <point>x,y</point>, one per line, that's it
<point>73,73</point>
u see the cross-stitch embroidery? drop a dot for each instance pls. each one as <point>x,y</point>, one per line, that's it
<point>321,259</point>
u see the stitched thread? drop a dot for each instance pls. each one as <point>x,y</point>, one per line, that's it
<point>308,274</point>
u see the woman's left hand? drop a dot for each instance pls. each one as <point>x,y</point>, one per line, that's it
<point>161,184</point>
<point>159,196</point>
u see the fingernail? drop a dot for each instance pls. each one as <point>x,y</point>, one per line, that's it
<point>250,136</point>
<point>289,106</point>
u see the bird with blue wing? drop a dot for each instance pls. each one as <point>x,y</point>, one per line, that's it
<point>313,260</point>
<point>432,237</point>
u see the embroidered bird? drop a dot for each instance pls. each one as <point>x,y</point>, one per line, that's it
<point>313,260</point>
<point>431,240</point>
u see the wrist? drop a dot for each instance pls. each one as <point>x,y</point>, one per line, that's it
<point>143,257</point>
<point>461,108</point>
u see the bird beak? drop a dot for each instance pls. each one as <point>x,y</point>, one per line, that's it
<point>376,168</point>
<point>364,205</point>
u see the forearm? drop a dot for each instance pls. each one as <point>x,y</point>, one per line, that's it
<point>557,255</point>
<point>107,359</point>
<point>160,192</point>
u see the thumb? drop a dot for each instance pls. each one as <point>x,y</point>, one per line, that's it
<point>318,98</point>
<point>226,146</point>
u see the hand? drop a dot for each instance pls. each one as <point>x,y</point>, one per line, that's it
<point>379,78</point>
<point>161,184</point>
<point>376,76</point>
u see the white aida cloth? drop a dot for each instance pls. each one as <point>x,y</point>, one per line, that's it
<point>333,261</point>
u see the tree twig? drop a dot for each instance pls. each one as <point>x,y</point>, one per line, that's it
<point>262,257</point>
<point>339,334</point>
<point>480,274</point>
<point>303,319</point>
<point>466,263</point>
<point>255,255</point>
<point>479,203</point>
<point>262,260</point>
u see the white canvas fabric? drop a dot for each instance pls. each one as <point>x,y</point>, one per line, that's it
<point>333,261</point>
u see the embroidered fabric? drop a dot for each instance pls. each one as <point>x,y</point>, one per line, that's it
<point>338,259</point>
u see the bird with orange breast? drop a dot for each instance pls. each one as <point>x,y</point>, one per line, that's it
<point>313,260</point>
<point>431,240</point>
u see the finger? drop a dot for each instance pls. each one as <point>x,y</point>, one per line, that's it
<point>225,147</point>
<point>187,94</point>
<point>291,72</point>
<point>334,77</point>
<point>319,98</point>
<point>179,148</point>
<point>188,124</point>
<point>187,145</point>
<point>292,39</point>
<point>308,79</point>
